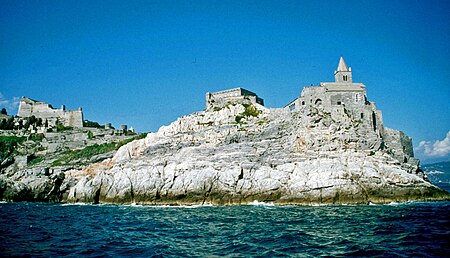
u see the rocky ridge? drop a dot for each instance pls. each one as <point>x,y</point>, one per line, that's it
<point>239,154</point>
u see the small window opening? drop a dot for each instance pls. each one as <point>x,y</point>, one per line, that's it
<point>345,77</point>
<point>303,103</point>
<point>362,115</point>
<point>339,103</point>
<point>374,121</point>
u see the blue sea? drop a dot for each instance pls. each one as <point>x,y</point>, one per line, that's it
<point>254,230</point>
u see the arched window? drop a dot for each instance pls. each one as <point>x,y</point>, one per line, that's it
<point>345,77</point>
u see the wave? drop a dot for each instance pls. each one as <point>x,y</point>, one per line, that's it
<point>258,203</point>
<point>77,204</point>
<point>434,172</point>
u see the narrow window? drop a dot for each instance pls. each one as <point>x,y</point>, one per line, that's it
<point>339,103</point>
<point>345,78</point>
<point>374,121</point>
<point>303,103</point>
<point>362,115</point>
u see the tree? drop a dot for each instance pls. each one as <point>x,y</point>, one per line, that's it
<point>3,111</point>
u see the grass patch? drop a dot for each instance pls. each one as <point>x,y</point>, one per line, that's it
<point>35,160</point>
<point>263,121</point>
<point>72,155</point>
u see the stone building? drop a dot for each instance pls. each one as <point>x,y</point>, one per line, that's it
<point>343,98</point>
<point>29,107</point>
<point>342,95</point>
<point>237,95</point>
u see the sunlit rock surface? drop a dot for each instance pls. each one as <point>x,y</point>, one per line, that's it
<point>243,153</point>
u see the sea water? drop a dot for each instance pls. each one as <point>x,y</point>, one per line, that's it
<point>255,230</point>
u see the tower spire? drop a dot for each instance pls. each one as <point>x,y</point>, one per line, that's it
<point>342,66</point>
<point>343,73</point>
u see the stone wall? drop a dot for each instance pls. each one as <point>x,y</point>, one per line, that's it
<point>29,107</point>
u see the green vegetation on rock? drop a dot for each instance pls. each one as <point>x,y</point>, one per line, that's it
<point>88,123</point>
<point>61,128</point>
<point>35,160</point>
<point>8,145</point>
<point>250,111</point>
<point>70,156</point>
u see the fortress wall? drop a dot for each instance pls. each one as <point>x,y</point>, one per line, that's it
<point>25,109</point>
<point>28,107</point>
<point>73,118</point>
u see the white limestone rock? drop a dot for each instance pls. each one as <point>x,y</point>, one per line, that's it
<point>278,156</point>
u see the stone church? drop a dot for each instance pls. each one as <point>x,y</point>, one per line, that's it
<point>342,95</point>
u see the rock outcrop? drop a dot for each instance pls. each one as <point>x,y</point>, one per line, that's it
<point>240,154</point>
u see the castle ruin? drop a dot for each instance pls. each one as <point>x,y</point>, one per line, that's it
<point>71,118</point>
<point>236,95</point>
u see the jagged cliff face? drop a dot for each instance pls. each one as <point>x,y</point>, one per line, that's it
<point>239,154</point>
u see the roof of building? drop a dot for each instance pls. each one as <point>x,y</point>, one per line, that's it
<point>342,67</point>
<point>31,101</point>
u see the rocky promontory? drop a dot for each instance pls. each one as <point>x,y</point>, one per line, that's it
<point>237,154</point>
<point>328,146</point>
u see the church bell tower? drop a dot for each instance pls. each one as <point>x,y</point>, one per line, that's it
<point>343,74</point>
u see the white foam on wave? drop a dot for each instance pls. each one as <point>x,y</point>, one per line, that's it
<point>258,203</point>
<point>77,204</point>
<point>134,205</point>
<point>434,172</point>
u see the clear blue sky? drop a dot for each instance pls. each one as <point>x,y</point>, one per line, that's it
<point>145,63</point>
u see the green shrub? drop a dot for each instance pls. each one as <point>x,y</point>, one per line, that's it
<point>250,111</point>
<point>8,145</point>
<point>62,128</point>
